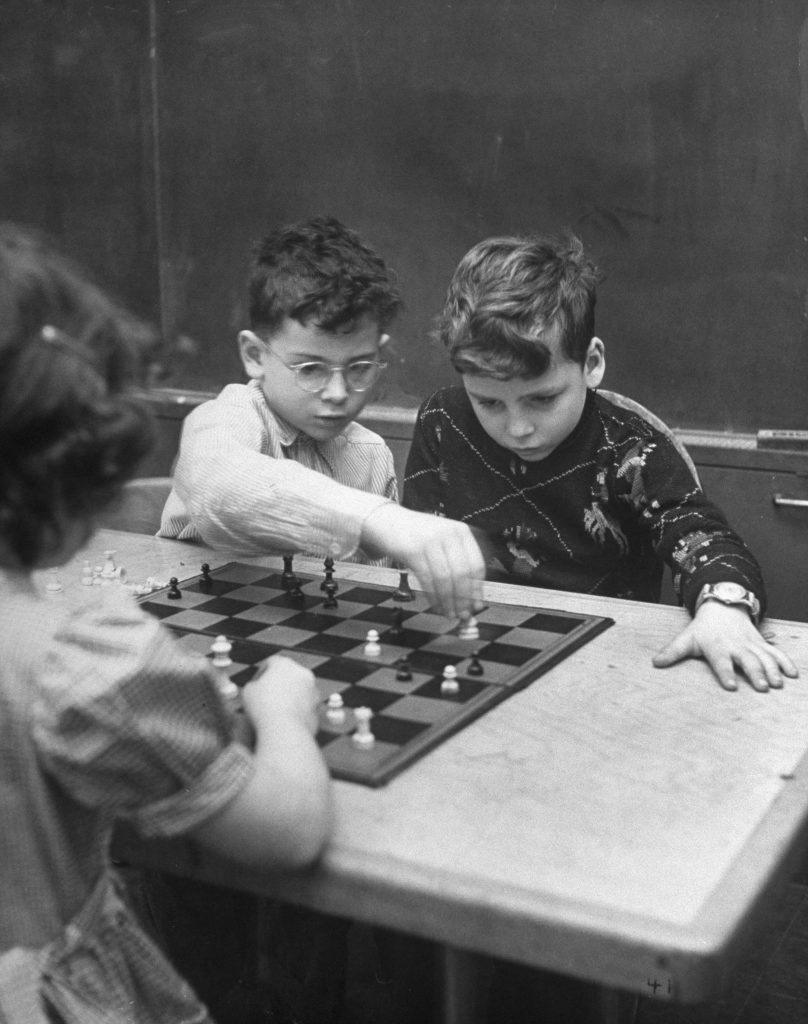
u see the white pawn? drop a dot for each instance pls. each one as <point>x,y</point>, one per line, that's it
<point>372,647</point>
<point>469,630</point>
<point>87,575</point>
<point>450,683</point>
<point>108,570</point>
<point>54,584</point>
<point>363,737</point>
<point>335,709</point>
<point>220,649</point>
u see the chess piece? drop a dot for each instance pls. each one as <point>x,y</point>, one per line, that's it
<point>108,569</point>
<point>372,646</point>
<point>403,670</point>
<point>335,709</point>
<point>174,591</point>
<point>220,649</point>
<point>330,591</point>
<point>363,737</point>
<point>206,581</point>
<point>396,627</point>
<point>469,629</point>
<point>475,668</point>
<point>288,578</point>
<point>450,684</point>
<point>54,584</point>
<point>404,591</point>
<point>329,580</point>
<point>87,575</point>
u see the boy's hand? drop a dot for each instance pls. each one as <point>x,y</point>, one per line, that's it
<point>727,639</point>
<point>442,553</point>
<point>284,690</point>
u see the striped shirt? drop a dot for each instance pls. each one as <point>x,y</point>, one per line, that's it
<point>247,480</point>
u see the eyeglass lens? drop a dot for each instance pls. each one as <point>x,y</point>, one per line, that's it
<point>359,376</point>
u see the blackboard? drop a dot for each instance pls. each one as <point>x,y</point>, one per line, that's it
<point>671,136</point>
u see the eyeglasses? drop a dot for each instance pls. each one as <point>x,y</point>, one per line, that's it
<point>316,376</point>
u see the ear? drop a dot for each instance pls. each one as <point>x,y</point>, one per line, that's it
<point>595,363</point>
<point>253,352</point>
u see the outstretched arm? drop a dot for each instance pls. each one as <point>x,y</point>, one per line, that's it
<point>730,643</point>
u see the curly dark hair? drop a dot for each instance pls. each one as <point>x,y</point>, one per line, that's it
<point>319,271</point>
<point>507,293</point>
<point>72,428</point>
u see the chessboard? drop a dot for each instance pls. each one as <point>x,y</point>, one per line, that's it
<point>421,678</point>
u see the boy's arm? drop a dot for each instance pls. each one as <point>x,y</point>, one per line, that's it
<point>728,640</point>
<point>238,495</point>
<point>693,536</point>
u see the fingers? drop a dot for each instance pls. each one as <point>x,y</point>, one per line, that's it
<point>677,650</point>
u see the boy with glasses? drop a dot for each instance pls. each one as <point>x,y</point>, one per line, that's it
<point>279,464</point>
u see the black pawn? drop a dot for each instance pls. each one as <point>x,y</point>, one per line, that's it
<point>475,668</point>
<point>296,594</point>
<point>288,578</point>
<point>329,576</point>
<point>396,628</point>
<point>174,590</point>
<point>403,593</point>
<point>206,582</point>
<point>403,671</point>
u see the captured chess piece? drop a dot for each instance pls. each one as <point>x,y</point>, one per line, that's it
<point>109,571</point>
<point>174,591</point>
<point>363,737</point>
<point>54,584</point>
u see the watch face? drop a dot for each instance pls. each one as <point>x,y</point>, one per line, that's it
<point>729,592</point>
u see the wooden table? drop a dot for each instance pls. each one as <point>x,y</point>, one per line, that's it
<point>613,821</point>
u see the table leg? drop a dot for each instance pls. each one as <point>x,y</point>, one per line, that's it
<point>460,975</point>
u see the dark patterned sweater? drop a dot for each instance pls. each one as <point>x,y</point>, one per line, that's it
<point>601,514</point>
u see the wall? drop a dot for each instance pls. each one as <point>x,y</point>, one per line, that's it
<point>162,138</point>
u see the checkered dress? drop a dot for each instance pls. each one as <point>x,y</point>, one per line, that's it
<point>100,719</point>
<point>602,514</point>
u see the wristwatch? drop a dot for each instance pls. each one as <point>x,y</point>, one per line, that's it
<point>730,593</point>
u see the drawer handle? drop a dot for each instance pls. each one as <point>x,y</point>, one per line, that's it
<point>779,500</point>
